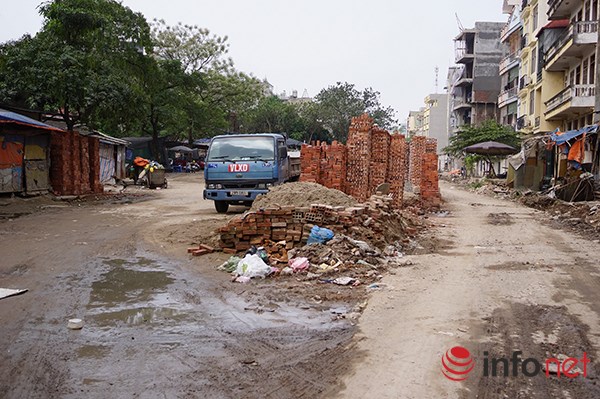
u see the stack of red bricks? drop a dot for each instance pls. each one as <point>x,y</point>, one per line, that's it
<point>310,163</point>
<point>94,146</point>
<point>333,169</point>
<point>254,227</point>
<point>429,188</point>
<point>397,168</point>
<point>359,157</point>
<point>75,161</point>
<point>417,151</point>
<point>380,149</point>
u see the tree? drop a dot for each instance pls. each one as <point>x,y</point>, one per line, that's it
<point>211,91</point>
<point>489,130</point>
<point>80,64</point>
<point>339,103</point>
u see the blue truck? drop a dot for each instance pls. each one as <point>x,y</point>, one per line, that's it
<point>240,167</point>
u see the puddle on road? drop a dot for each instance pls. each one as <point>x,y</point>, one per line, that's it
<point>138,316</point>
<point>123,284</point>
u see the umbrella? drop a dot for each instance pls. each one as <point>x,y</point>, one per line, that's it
<point>181,148</point>
<point>491,148</point>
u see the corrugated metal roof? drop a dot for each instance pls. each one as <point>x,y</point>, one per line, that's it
<point>12,117</point>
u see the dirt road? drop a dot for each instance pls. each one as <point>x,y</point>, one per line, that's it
<point>504,282</point>
<point>158,323</point>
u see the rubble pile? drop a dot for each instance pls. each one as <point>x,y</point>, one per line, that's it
<point>376,222</point>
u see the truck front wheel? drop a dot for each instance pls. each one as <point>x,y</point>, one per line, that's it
<point>221,206</point>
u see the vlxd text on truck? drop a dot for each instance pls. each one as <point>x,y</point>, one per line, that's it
<point>240,167</point>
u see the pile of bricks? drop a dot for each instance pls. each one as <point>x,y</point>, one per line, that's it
<point>310,163</point>
<point>397,168</point>
<point>75,161</point>
<point>293,225</point>
<point>324,164</point>
<point>429,185</point>
<point>417,151</point>
<point>380,149</point>
<point>359,157</point>
<point>333,169</point>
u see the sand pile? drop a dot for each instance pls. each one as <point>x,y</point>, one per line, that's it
<point>302,194</point>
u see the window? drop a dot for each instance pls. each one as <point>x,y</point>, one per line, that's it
<point>535,18</point>
<point>241,148</point>
<point>534,61</point>
<point>578,75</point>
<point>584,78</point>
<point>531,103</point>
<point>593,69</point>
<point>586,10</point>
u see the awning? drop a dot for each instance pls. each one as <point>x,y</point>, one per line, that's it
<point>12,117</point>
<point>561,138</point>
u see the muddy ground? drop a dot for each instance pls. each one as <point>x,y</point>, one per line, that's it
<point>488,276</point>
<point>158,323</point>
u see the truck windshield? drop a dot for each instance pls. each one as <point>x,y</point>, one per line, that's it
<point>242,149</point>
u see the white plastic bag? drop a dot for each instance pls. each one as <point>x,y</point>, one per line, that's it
<point>253,266</point>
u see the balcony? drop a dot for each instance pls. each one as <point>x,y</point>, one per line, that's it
<point>524,82</point>
<point>465,80</point>
<point>507,96</point>
<point>578,40</point>
<point>559,9</point>
<point>509,62</point>
<point>513,25</point>
<point>461,103</point>
<point>571,102</point>
<point>464,55</point>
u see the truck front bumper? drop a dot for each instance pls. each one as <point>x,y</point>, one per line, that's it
<point>232,195</point>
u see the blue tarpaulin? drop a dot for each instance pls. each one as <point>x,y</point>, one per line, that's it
<point>13,117</point>
<point>571,134</point>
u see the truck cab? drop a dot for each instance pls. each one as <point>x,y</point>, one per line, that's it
<point>240,167</point>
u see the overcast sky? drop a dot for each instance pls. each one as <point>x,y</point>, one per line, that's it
<point>392,46</point>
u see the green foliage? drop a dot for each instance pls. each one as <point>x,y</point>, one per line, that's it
<point>489,130</point>
<point>79,64</point>
<point>339,103</point>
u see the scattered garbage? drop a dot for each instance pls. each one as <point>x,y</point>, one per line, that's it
<point>242,279</point>
<point>75,324</point>
<point>344,280</point>
<point>299,264</point>
<point>253,266</point>
<point>319,235</point>
<point>230,265</point>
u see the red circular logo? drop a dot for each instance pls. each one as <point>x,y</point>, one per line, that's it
<point>457,363</point>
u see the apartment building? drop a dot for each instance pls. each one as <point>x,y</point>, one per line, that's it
<point>509,70</point>
<point>475,86</point>
<point>569,61</point>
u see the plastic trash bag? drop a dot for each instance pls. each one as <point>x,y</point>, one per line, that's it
<point>299,264</point>
<point>253,266</point>
<point>319,235</point>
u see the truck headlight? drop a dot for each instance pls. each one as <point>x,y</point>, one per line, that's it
<point>269,185</point>
<point>211,186</point>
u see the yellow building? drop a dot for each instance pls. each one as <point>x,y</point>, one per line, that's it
<point>569,57</point>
